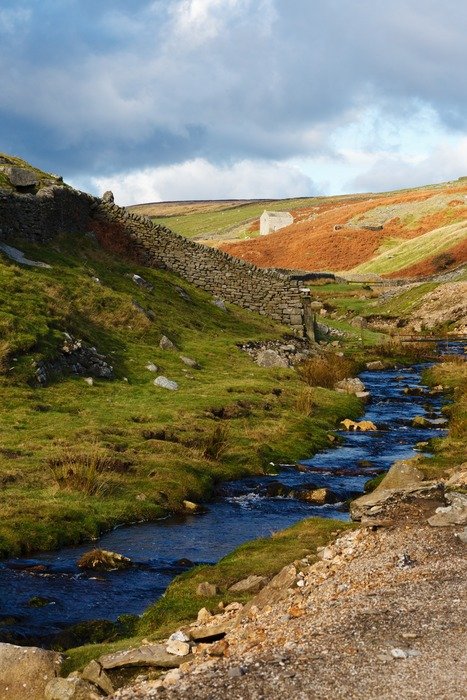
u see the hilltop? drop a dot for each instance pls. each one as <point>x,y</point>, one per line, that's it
<point>406,234</point>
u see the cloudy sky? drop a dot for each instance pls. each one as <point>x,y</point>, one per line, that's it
<point>193,99</point>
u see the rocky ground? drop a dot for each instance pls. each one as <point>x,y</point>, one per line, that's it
<point>381,615</point>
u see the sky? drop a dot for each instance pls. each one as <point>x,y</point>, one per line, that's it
<point>208,99</point>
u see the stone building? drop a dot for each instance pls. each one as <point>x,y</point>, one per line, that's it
<point>271,221</point>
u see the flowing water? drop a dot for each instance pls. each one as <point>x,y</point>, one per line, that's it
<point>242,511</point>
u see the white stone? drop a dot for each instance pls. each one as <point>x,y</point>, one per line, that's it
<point>165,383</point>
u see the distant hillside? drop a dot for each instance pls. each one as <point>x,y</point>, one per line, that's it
<point>407,233</point>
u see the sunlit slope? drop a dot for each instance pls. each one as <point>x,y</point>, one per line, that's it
<point>409,253</point>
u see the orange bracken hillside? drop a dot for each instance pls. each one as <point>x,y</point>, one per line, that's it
<point>332,236</point>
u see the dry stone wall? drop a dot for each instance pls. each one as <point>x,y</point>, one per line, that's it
<point>53,210</point>
<point>267,292</point>
<point>39,217</point>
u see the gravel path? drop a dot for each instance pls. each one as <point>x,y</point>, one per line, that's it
<point>383,615</point>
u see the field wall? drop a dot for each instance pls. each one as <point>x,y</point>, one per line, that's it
<point>53,210</point>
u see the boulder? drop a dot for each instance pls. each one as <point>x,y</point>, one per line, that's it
<point>206,590</point>
<point>317,496</point>
<point>210,632</point>
<point>423,422</point>
<point>220,304</point>
<point>374,503</point>
<point>177,648</point>
<point>251,584</point>
<point>271,358</point>
<point>165,383</point>
<point>376,365</point>
<point>459,478</point>
<point>362,425</point>
<point>20,177</point>
<point>154,655</point>
<point>72,688</point>
<point>402,473</point>
<point>191,507</point>
<point>108,196</point>
<point>26,671</point>
<point>189,362</point>
<point>94,673</point>
<point>275,590</point>
<point>455,513</point>
<point>351,385</point>
<point>166,344</point>
<point>102,560</point>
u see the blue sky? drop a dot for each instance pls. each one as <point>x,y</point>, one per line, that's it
<point>182,99</point>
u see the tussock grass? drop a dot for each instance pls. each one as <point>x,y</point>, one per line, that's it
<point>325,371</point>
<point>86,470</point>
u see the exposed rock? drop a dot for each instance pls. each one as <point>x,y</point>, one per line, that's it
<point>362,425</point>
<point>376,365</point>
<point>220,304</point>
<point>402,473</point>
<point>373,503</point>
<point>206,590</point>
<point>177,648</point>
<point>71,688</point>
<point>458,479</point>
<point>423,422</point>
<point>75,358</point>
<point>165,383</point>
<point>317,496</point>
<point>251,584</point>
<point>275,590</point>
<point>214,631</point>
<point>351,385</point>
<point>295,350</point>
<point>108,196</point>
<point>18,256</point>
<point>189,362</point>
<point>271,358</point>
<point>455,513</point>
<point>204,616</point>
<point>151,367</point>
<point>94,673</point>
<point>25,671</point>
<point>145,655</point>
<point>141,282</point>
<point>102,560</point>
<point>19,177</point>
<point>194,508</point>
<point>166,344</point>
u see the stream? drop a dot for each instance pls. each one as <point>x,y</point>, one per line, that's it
<point>241,511</point>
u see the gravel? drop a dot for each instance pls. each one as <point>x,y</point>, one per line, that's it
<point>361,626</point>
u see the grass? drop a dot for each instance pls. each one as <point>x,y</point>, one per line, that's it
<point>413,251</point>
<point>326,371</point>
<point>168,446</point>
<point>450,452</point>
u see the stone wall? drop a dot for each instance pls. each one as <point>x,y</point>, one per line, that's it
<point>267,292</point>
<point>39,217</point>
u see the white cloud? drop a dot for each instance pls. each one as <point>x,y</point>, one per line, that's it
<point>199,179</point>
<point>387,171</point>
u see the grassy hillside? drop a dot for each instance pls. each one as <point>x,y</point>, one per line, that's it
<point>407,254</point>
<point>76,459</point>
<point>400,233</point>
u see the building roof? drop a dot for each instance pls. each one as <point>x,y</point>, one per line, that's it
<point>278,214</point>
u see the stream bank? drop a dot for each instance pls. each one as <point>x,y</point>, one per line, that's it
<point>242,511</point>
